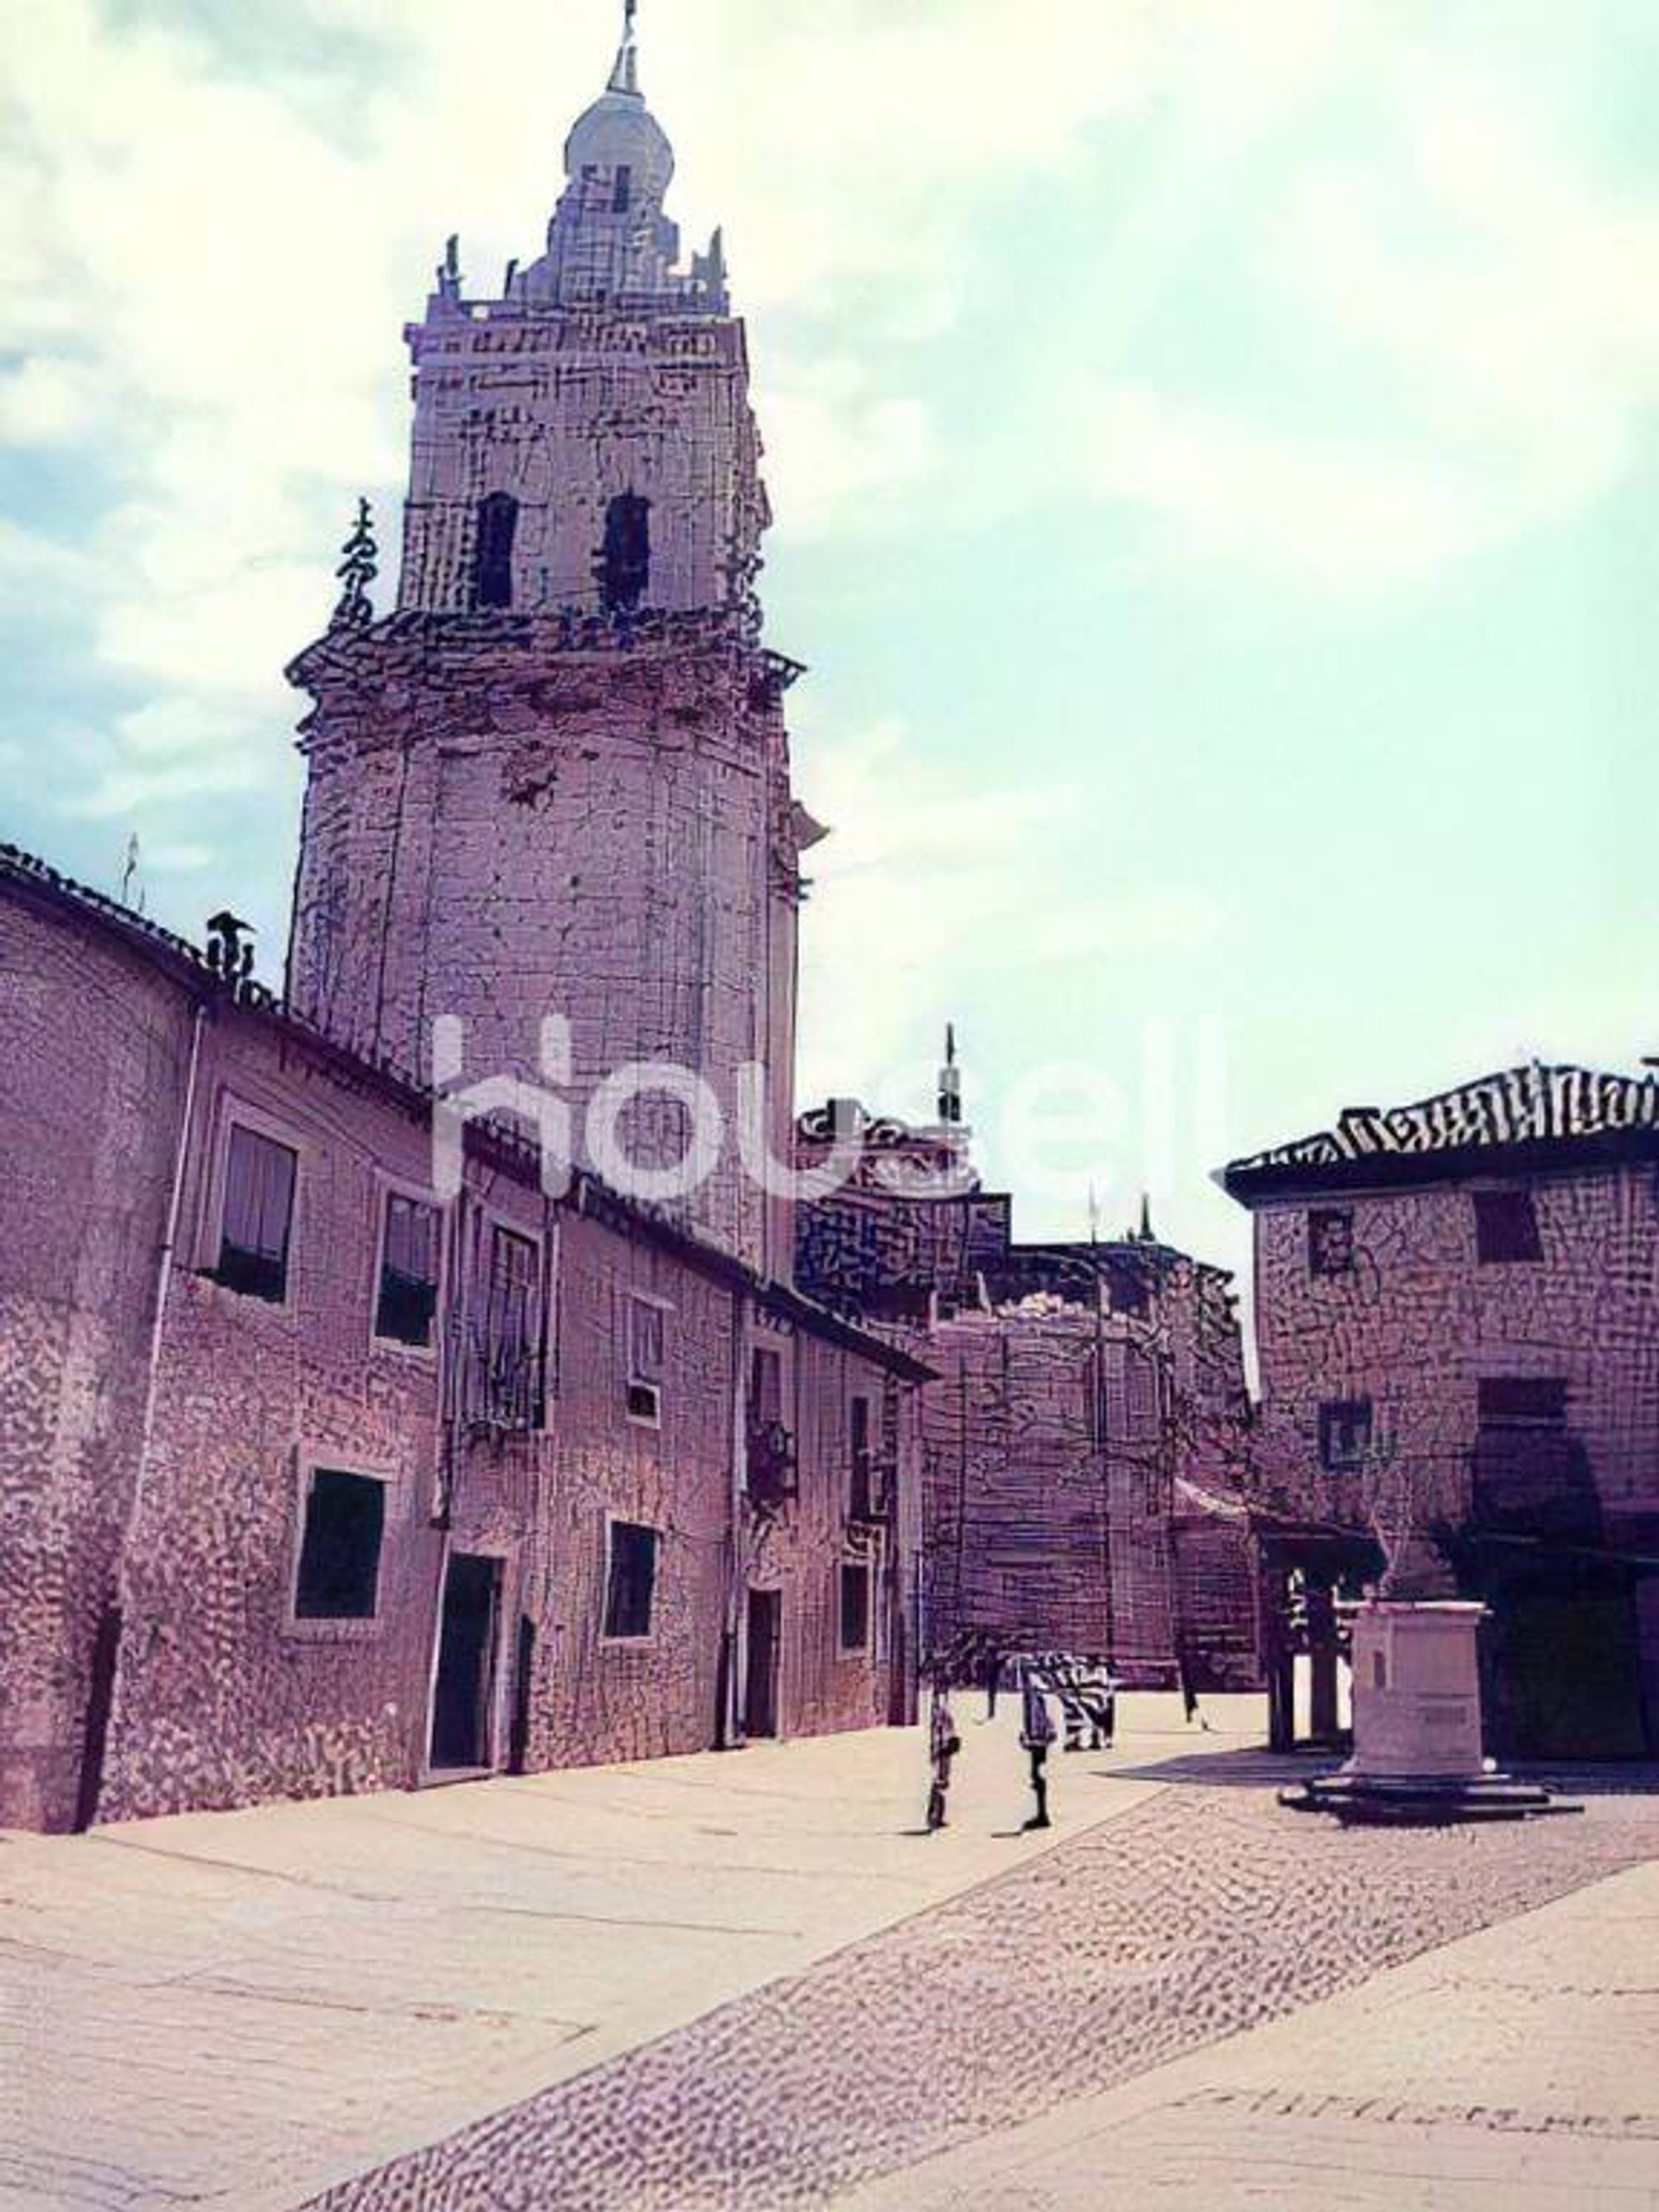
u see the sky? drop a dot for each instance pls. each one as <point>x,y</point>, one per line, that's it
<point>1213,449</point>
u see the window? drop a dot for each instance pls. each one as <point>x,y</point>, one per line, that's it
<point>1330,1240</point>
<point>646,1322</point>
<point>1127,1290</point>
<point>407,1294</point>
<point>1522,1402</point>
<point>625,565</point>
<point>506,1373</point>
<point>339,1555</point>
<point>260,1176</point>
<point>765,1388</point>
<point>622,193</point>
<point>855,1606</point>
<point>630,1581</point>
<point>863,1459</point>
<point>1506,1227</point>
<point>770,1448</point>
<point>1344,1434</point>
<point>497,525</point>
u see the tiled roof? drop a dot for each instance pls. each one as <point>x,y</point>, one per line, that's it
<point>1543,1114</point>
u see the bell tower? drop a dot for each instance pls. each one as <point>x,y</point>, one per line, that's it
<point>555,781</point>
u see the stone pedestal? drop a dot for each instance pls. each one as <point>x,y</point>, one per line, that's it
<point>1417,1693</point>
<point>1417,1752</point>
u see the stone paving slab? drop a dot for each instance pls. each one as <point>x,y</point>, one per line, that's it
<point>237,2009</point>
<point>1194,1916</point>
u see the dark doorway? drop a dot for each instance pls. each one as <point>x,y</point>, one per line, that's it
<point>1561,1668</point>
<point>465,1679</point>
<point>760,1680</point>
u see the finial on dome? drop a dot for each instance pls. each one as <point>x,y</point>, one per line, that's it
<point>950,1081</point>
<point>624,70</point>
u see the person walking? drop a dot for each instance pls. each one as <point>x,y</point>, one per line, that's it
<point>1190,1695</point>
<point>990,1664</point>
<point>943,1743</point>
<point>1037,1734</point>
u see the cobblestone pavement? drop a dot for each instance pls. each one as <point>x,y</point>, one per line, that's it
<point>1516,2070</point>
<point>1201,1912</point>
<point>241,2009</point>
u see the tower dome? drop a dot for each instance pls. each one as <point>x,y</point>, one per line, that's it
<point>618,131</point>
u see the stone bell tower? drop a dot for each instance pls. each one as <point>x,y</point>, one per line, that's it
<point>555,781</point>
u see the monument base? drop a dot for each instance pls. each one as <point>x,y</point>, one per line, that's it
<point>1417,1732</point>
<point>1356,1800</point>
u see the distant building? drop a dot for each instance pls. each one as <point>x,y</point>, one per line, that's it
<point>1086,1437</point>
<point>1457,1315</point>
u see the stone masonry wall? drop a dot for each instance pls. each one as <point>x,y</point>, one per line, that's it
<point>500,829</point>
<point>562,412</point>
<point>92,1083</point>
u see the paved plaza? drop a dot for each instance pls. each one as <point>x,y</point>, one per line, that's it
<point>747,1982</point>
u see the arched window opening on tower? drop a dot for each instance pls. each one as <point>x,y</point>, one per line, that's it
<point>625,566</point>
<point>622,198</point>
<point>497,524</point>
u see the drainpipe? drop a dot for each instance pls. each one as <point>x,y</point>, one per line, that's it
<point>93,1775</point>
<point>729,1737</point>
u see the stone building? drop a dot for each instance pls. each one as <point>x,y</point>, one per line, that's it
<point>313,1481</point>
<point>554,781</point>
<point>1458,1316</point>
<point>1085,1439</point>
<point>317,1473</point>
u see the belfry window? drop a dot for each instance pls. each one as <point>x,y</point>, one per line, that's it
<point>625,565</point>
<point>498,524</point>
<point>622,197</point>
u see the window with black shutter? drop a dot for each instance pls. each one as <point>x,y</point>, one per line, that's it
<point>1506,1228</point>
<point>259,1213</point>
<point>854,1606</point>
<point>1344,1434</point>
<point>339,1552</point>
<point>408,1294</point>
<point>1330,1240</point>
<point>631,1581</point>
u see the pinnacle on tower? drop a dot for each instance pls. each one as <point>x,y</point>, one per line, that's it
<point>950,1082</point>
<point>359,565</point>
<point>624,70</point>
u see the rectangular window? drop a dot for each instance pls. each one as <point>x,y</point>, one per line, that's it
<point>506,1333</point>
<point>645,1338</point>
<point>259,1178</point>
<point>622,189</point>
<point>631,1581</point>
<point>765,1388</point>
<point>407,1294</point>
<point>1522,1402</point>
<point>1330,1240</point>
<point>860,1428</point>
<point>340,1554</point>
<point>1344,1434</point>
<point>854,1606</point>
<point>1506,1227</point>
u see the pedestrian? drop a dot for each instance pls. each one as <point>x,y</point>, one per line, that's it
<point>943,1743</point>
<point>1190,1696</point>
<point>1036,1734</point>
